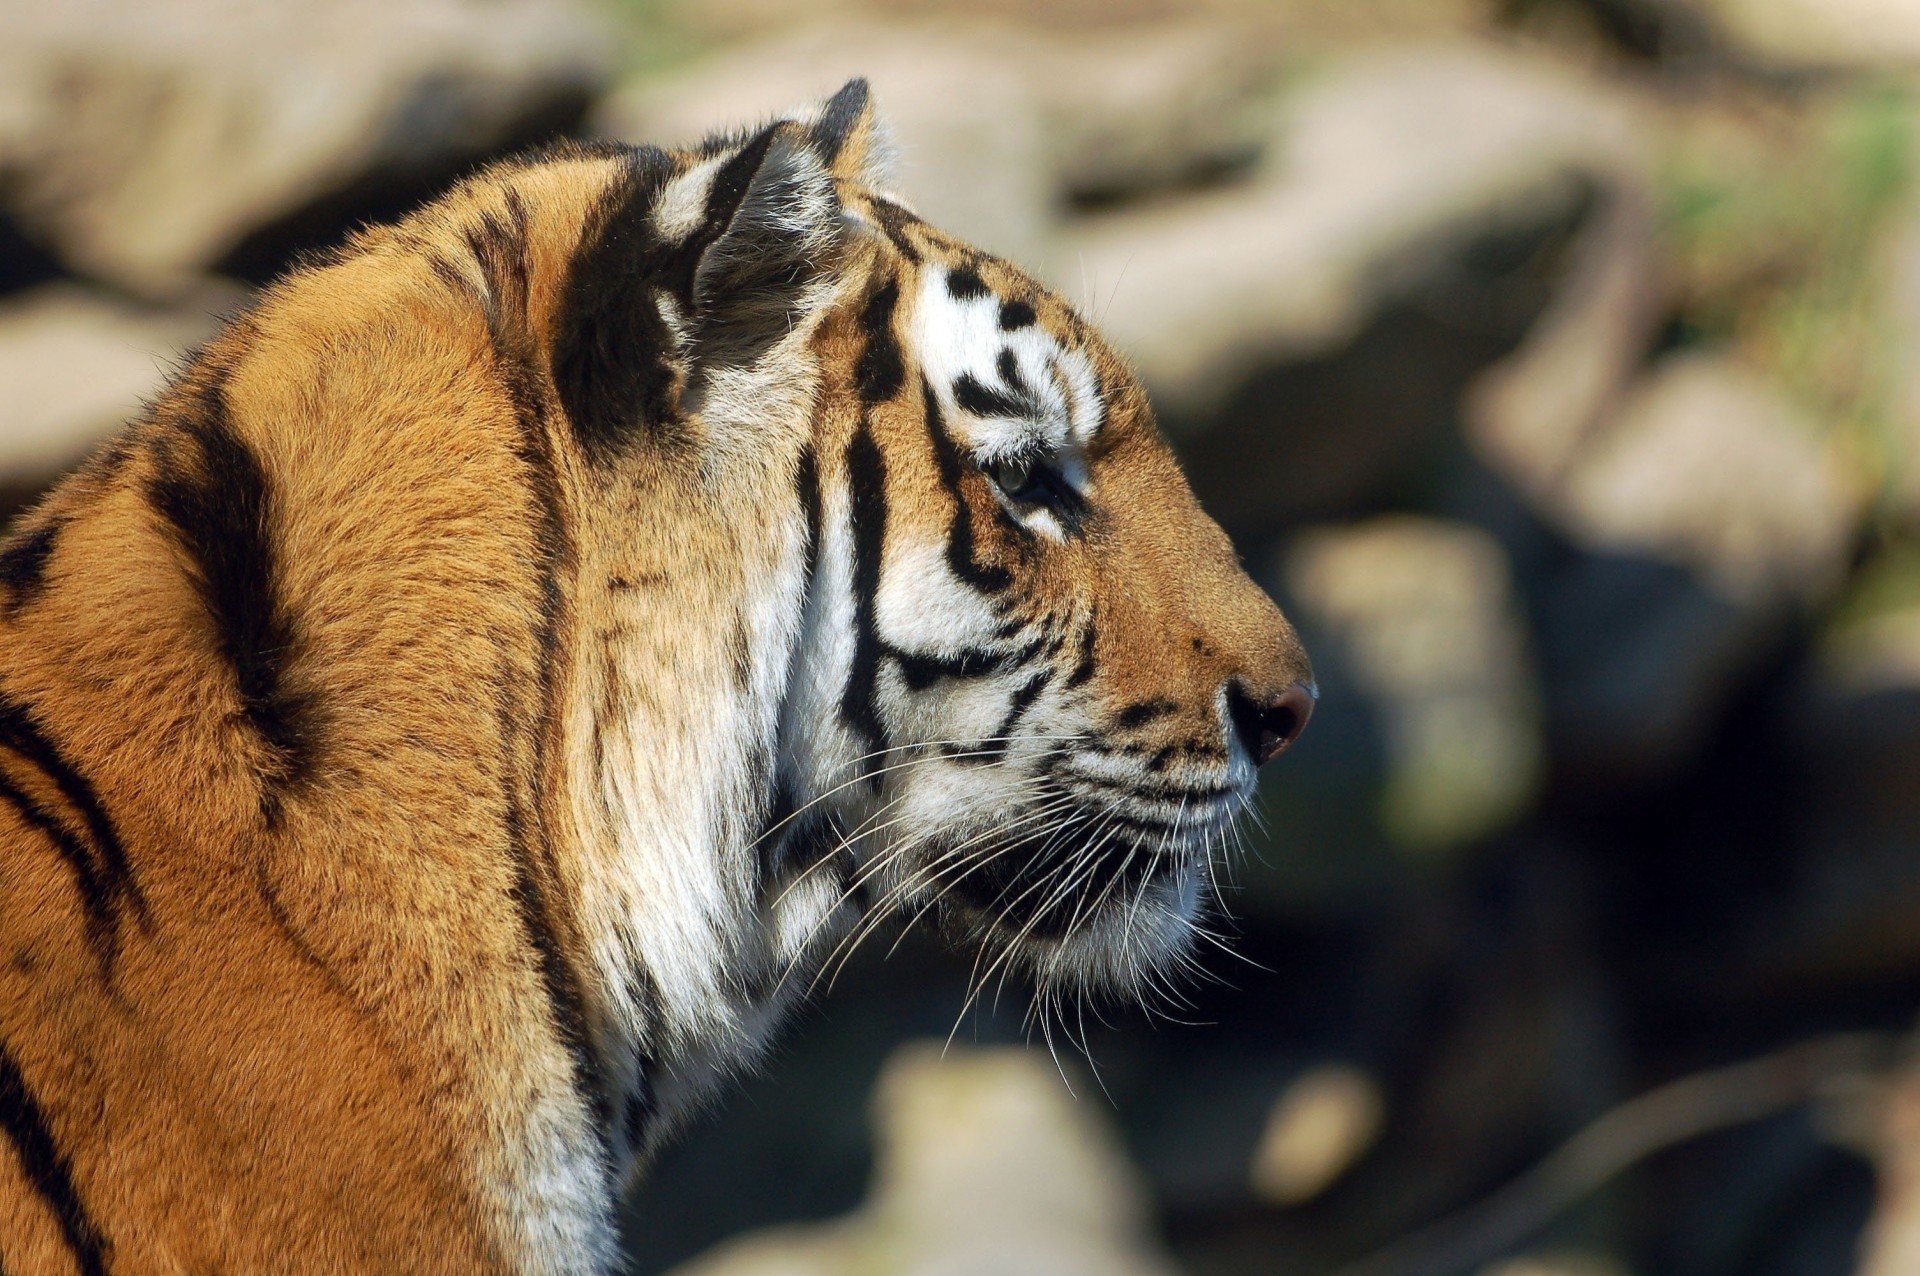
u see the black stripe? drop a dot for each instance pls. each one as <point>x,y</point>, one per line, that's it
<point>502,252</point>
<point>96,898</point>
<point>528,835</point>
<point>448,273</point>
<point>23,564</point>
<point>1008,365</point>
<point>1083,669</point>
<point>961,559</point>
<point>556,974</point>
<point>964,284</point>
<point>21,734</point>
<point>501,249</point>
<point>1016,314</point>
<point>47,1169</point>
<point>1142,712</point>
<point>284,923</point>
<point>775,836</point>
<point>612,349</point>
<point>867,502</point>
<point>984,401</point>
<point>1023,699</point>
<point>637,1113</point>
<point>922,671</point>
<point>222,519</point>
<point>806,486</point>
<point>894,221</point>
<point>641,1104</point>
<point>879,371</point>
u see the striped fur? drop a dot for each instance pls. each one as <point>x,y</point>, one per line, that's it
<point>441,739</point>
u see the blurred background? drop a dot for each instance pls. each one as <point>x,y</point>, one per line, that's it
<point>1552,361</point>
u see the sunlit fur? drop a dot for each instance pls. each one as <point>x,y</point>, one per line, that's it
<point>445,734</point>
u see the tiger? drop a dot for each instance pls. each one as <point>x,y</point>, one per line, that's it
<point>445,734</point>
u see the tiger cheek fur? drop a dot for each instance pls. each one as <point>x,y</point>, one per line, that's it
<point>442,737</point>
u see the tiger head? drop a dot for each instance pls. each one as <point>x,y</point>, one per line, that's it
<point>1031,684</point>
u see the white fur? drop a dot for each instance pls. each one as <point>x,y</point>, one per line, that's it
<point>682,206</point>
<point>958,337</point>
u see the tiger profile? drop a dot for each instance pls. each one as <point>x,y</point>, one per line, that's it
<point>444,735</point>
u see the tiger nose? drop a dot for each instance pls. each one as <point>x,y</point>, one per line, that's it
<point>1268,729</point>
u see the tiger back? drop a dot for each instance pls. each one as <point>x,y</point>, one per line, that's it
<point>446,733</point>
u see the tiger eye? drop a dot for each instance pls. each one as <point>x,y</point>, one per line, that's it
<point>1013,476</point>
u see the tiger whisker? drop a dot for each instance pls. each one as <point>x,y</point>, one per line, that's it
<point>828,857</point>
<point>882,912</point>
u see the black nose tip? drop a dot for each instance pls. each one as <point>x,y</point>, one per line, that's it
<point>1269,729</point>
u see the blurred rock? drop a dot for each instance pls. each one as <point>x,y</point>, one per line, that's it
<point>77,366</point>
<point>1902,318</point>
<point>1818,33</point>
<point>1322,1123</point>
<point>1707,468</point>
<point>1892,1243</point>
<point>145,143</point>
<point>1379,161</point>
<point>1710,524</point>
<point>1297,21</point>
<point>1135,111</point>
<point>1425,615</point>
<point>1854,908</point>
<point>1528,415</point>
<point>987,1167</point>
<point>1559,1264</point>
<point>997,127</point>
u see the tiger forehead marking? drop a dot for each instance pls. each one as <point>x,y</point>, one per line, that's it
<point>516,660</point>
<point>1019,386</point>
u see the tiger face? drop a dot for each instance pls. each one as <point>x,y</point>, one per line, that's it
<point>1041,683</point>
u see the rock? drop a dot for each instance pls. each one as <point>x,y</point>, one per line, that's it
<point>147,143</point>
<point>1321,1124</point>
<point>1528,415</point>
<point>1902,320</point>
<point>986,1167</point>
<point>1705,467</point>
<point>1892,1243</point>
<point>1378,163</point>
<point>997,127</point>
<point>1299,24</point>
<point>1710,524</point>
<point>1818,33</point>
<point>1424,614</point>
<point>1853,725</point>
<point>77,366</point>
<point>1131,112</point>
<point>1559,1263</point>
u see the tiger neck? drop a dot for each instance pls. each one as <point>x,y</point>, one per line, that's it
<point>698,644</point>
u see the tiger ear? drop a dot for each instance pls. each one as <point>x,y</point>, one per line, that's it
<point>850,137</point>
<point>748,231</point>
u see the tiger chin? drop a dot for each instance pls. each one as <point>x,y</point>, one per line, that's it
<point>445,733</point>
